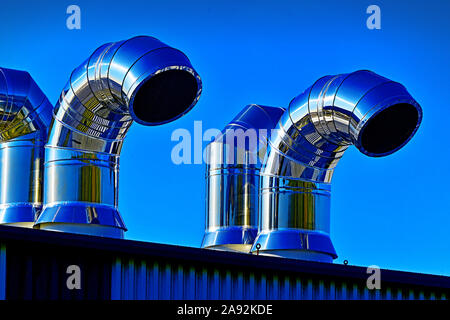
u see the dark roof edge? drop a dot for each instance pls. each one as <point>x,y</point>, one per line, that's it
<point>204,256</point>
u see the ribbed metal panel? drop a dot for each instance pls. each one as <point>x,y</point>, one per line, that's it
<point>2,271</point>
<point>138,279</point>
<point>37,272</point>
<point>34,264</point>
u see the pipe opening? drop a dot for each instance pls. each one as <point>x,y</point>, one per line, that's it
<point>165,96</point>
<point>388,130</point>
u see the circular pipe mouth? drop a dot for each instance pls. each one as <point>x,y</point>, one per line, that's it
<point>389,129</point>
<point>165,96</point>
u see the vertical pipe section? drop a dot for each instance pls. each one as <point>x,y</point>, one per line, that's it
<point>234,160</point>
<point>373,113</point>
<point>140,79</point>
<point>25,115</point>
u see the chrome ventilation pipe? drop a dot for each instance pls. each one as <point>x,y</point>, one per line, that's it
<point>373,113</point>
<point>234,159</point>
<point>140,79</point>
<point>25,115</point>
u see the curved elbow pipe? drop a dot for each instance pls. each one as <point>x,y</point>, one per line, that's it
<point>373,113</point>
<point>234,160</point>
<point>25,114</point>
<point>140,79</point>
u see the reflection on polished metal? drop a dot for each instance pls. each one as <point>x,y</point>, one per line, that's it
<point>25,114</point>
<point>234,159</point>
<point>373,113</point>
<point>140,79</point>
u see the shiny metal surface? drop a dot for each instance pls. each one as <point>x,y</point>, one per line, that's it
<point>140,79</point>
<point>25,115</point>
<point>373,113</point>
<point>234,160</point>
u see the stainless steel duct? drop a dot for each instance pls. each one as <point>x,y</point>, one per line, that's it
<point>140,79</point>
<point>373,113</point>
<point>234,159</point>
<point>25,114</point>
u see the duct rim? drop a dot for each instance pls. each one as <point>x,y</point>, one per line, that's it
<point>150,88</point>
<point>398,119</point>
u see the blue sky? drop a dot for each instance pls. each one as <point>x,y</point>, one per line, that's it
<point>393,212</point>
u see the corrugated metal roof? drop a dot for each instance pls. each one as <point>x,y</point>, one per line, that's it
<point>33,265</point>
